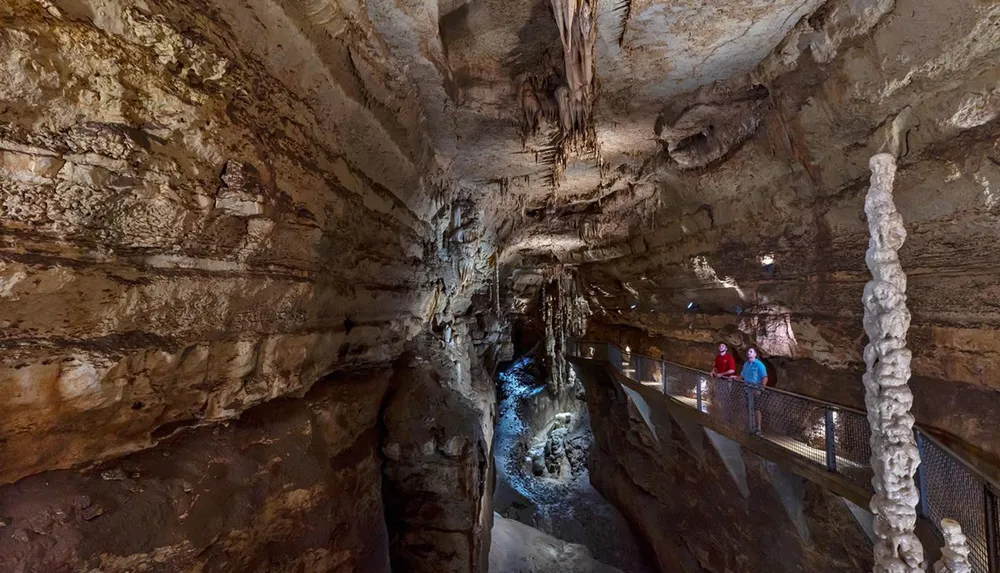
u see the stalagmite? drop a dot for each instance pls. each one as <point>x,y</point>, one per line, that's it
<point>955,553</point>
<point>895,456</point>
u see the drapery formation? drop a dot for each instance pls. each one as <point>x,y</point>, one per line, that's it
<point>575,19</point>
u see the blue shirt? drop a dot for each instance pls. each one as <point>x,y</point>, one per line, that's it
<point>754,371</point>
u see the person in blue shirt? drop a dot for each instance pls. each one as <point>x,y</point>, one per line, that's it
<point>754,370</point>
<point>754,373</point>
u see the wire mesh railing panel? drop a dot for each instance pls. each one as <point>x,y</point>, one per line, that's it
<point>682,382</point>
<point>853,447</point>
<point>793,423</point>
<point>726,401</point>
<point>591,350</point>
<point>615,357</point>
<point>629,364</point>
<point>649,372</point>
<point>950,490</point>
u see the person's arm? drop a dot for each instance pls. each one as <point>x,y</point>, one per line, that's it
<point>764,381</point>
<point>731,367</point>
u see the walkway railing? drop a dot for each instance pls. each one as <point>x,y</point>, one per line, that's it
<point>833,436</point>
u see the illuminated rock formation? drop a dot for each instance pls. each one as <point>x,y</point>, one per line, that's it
<point>955,553</point>
<point>576,30</point>
<point>895,456</point>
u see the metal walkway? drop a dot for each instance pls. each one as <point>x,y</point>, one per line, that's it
<point>828,435</point>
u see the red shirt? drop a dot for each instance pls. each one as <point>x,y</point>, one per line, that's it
<point>725,363</point>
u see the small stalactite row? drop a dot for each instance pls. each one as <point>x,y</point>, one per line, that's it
<point>888,399</point>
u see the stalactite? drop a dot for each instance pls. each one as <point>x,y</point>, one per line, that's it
<point>575,21</point>
<point>565,314</point>
<point>887,396</point>
<point>955,553</point>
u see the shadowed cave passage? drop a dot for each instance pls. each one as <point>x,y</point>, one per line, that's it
<point>541,450</point>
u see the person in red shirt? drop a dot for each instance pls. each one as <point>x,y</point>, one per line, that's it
<point>725,364</point>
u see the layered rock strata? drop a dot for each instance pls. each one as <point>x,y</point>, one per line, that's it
<point>293,486</point>
<point>209,208</point>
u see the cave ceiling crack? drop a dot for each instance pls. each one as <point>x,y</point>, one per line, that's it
<point>694,69</point>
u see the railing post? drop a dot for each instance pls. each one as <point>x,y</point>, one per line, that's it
<point>992,535</point>
<point>831,441</point>
<point>922,475</point>
<point>751,411</point>
<point>698,393</point>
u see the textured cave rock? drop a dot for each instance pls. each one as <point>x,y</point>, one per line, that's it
<point>888,399</point>
<point>438,471</point>
<point>518,548</point>
<point>769,240</point>
<point>176,256</point>
<point>291,486</point>
<point>288,243</point>
<point>195,235</point>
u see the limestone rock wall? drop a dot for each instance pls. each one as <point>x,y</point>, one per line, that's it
<point>292,486</point>
<point>438,463</point>
<point>208,206</point>
<point>187,235</point>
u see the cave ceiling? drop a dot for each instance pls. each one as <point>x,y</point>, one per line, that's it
<point>474,58</point>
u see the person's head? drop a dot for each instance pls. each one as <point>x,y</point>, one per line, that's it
<point>723,348</point>
<point>751,354</point>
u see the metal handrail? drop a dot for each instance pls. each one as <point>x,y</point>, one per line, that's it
<point>950,486</point>
<point>980,474</point>
<point>770,389</point>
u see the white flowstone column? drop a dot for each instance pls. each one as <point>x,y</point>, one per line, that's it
<point>955,554</point>
<point>895,456</point>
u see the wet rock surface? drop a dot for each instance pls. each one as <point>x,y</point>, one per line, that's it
<point>518,548</point>
<point>541,451</point>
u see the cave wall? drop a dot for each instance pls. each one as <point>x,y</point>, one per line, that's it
<point>681,495</point>
<point>368,472</point>
<point>210,208</point>
<point>188,232</point>
<point>438,464</point>
<point>292,486</point>
<point>769,241</point>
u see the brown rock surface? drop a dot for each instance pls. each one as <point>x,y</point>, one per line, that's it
<point>438,470</point>
<point>293,486</point>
